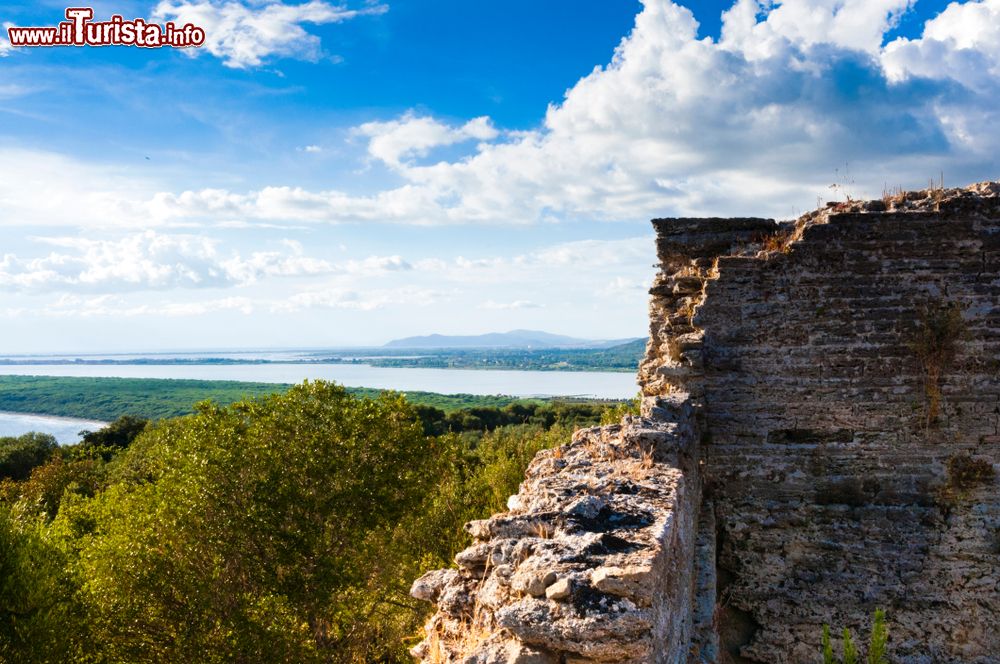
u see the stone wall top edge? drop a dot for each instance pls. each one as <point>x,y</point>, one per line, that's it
<point>674,226</point>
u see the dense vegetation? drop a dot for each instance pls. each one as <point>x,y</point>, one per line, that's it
<point>109,398</point>
<point>285,528</point>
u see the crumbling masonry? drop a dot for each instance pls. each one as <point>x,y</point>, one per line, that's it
<point>819,435</point>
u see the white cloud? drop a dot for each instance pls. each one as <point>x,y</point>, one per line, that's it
<point>761,29</point>
<point>151,261</point>
<point>754,123</point>
<point>404,205</point>
<point>312,149</point>
<point>961,44</point>
<point>245,34</point>
<point>411,136</point>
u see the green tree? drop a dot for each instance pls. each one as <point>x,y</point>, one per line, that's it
<point>19,455</point>
<point>117,435</point>
<point>231,535</point>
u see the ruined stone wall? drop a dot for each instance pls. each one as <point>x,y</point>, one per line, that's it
<point>819,438</point>
<point>825,462</point>
<point>590,563</point>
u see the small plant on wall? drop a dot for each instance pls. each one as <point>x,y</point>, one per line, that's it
<point>965,473</point>
<point>878,644</point>
<point>935,344</point>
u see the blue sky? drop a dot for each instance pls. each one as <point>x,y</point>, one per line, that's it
<point>324,173</point>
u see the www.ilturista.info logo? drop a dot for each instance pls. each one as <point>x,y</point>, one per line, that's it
<point>80,30</point>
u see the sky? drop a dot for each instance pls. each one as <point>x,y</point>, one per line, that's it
<point>322,174</point>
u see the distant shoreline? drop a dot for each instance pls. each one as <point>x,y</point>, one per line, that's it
<point>50,416</point>
<point>622,358</point>
<point>105,399</point>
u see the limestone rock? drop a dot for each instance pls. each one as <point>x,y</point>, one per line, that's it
<point>635,583</point>
<point>429,586</point>
<point>558,590</point>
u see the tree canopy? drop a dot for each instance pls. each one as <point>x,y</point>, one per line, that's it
<point>285,528</point>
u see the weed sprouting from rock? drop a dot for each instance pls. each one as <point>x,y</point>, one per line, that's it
<point>935,343</point>
<point>878,644</point>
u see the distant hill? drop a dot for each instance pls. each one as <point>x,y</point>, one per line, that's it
<point>512,339</point>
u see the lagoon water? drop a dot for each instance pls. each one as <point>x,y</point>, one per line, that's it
<point>65,429</point>
<point>595,384</point>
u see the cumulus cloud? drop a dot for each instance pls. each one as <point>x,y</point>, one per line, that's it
<point>569,269</point>
<point>757,121</point>
<point>153,261</point>
<point>849,24</point>
<point>245,34</point>
<point>962,44</point>
<point>411,136</point>
<point>153,274</point>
